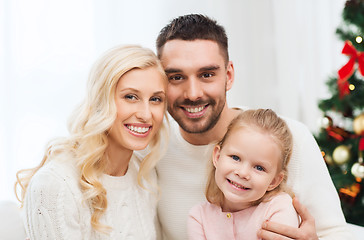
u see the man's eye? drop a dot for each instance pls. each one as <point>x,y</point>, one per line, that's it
<point>207,75</point>
<point>259,168</point>
<point>175,78</point>
<point>235,158</point>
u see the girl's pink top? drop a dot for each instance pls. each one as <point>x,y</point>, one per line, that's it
<point>208,221</point>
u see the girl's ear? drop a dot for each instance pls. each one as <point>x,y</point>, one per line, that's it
<point>216,155</point>
<point>276,181</point>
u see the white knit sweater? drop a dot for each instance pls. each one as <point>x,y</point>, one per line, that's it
<point>54,208</point>
<point>182,178</point>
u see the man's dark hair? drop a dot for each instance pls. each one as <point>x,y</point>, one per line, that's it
<point>191,27</point>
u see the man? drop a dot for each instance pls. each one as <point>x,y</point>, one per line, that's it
<point>194,53</point>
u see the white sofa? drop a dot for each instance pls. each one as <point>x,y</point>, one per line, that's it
<point>11,224</point>
<point>357,230</point>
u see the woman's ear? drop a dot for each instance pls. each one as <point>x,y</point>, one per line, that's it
<point>276,181</point>
<point>216,155</point>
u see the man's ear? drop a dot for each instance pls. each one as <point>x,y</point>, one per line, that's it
<point>216,155</point>
<point>276,181</point>
<point>229,75</point>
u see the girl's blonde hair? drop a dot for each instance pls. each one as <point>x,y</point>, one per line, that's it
<point>264,120</point>
<point>89,125</point>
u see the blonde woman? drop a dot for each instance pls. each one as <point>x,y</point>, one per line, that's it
<point>92,185</point>
<point>247,180</point>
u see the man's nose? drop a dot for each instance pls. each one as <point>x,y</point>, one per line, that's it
<point>193,90</point>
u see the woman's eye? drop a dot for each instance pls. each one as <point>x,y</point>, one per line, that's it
<point>130,97</point>
<point>259,168</point>
<point>235,158</point>
<point>156,99</point>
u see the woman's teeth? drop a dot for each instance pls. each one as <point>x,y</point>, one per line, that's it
<point>140,130</point>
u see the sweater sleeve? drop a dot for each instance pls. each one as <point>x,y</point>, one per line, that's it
<point>194,224</point>
<point>312,184</point>
<point>282,211</point>
<point>50,209</point>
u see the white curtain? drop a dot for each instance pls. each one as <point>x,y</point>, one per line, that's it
<point>283,52</point>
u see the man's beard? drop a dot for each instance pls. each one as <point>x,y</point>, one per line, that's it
<point>191,125</point>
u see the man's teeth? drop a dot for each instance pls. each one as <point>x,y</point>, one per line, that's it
<point>138,129</point>
<point>194,110</point>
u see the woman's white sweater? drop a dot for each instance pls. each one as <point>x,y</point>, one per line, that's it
<point>54,206</point>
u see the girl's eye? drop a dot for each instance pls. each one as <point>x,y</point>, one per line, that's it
<point>259,168</point>
<point>235,158</point>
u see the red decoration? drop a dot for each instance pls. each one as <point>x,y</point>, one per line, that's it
<point>361,144</point>
<point>337,133</point>
<point>348,69</point>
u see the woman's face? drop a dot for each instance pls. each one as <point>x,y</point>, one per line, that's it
<point>140,101</point>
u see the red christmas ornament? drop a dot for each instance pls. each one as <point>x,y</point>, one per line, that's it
<point>348,69</point>
<point>337,133</point>
<point>361,144</point>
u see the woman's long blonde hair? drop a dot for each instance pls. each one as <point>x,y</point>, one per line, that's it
<point>268,122</point>
<point>89,125</point>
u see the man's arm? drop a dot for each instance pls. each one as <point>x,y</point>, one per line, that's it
<point>277,231</point>
<point>310,181</point>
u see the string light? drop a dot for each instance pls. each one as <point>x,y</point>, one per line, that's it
<point>351,87</point>
<point>358,39</point>
<point>323,153</point>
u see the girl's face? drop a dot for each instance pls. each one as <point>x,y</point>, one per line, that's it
<point>140,101</point>
<point>246,167</point>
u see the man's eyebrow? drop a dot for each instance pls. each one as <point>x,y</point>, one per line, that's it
<point>209,68</point>
<point>206,68</point>
<point>172,70</point>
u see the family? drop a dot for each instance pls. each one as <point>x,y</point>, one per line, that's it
<point>155,152</point>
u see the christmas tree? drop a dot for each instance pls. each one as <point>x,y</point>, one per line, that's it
<point>341,137</point>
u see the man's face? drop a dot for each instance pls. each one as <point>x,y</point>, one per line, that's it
<point>198,81</point>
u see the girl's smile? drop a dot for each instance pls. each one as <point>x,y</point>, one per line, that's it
<point>237,186</point>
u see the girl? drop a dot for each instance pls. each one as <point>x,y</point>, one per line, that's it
<point>92,185</point>
<point>247,180</point>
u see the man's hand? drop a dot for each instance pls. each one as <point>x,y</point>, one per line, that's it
<point>276,231</point>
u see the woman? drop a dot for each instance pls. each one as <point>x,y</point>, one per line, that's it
<point>92,185</point>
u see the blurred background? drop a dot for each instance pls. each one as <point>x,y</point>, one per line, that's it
<point>283,52</point>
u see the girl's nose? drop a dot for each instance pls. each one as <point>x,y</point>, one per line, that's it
<point>243,171</point>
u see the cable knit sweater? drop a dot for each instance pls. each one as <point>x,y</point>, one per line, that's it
<point>182,177</point>
<point>54,206</point>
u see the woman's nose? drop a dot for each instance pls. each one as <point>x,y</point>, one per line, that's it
<point>144,112</point>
